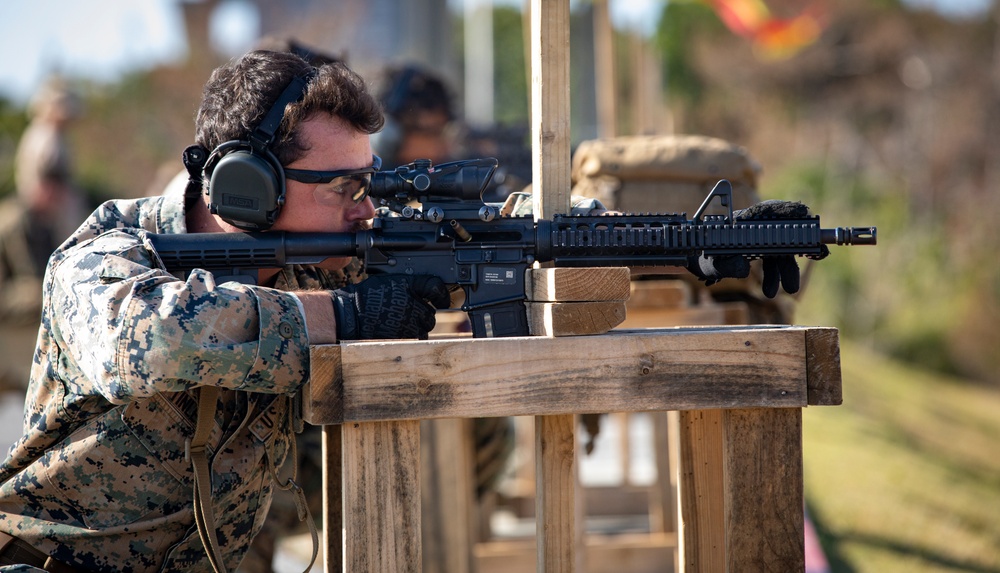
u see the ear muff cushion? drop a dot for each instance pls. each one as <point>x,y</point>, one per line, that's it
<point>245,190</point>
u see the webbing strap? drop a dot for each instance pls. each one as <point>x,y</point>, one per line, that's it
<point>301,504</point>
<point>204,516</point>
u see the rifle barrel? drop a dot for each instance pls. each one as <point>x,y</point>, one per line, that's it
<point>849,236</point>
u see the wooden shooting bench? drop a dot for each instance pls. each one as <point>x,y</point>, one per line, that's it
<point>739,390</point>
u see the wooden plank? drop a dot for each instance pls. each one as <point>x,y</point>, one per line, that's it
<point>658,294</point>
<point>823,367</point>
<point>763,495</point>
<point>600,500</point>
<point>555,466</point>
<point>577,284</point>
<point>666,317</point>
<point>382,496</point>
<point>550,107</point>
<point>325,384</point>
<point>622,371</point>
<point>674,424</point>
<point>333,502</point>
<point>702,528</point>
<point>620,553</point>
<point>663,493</point>
<point>447,495</point>
<point>573,318</point>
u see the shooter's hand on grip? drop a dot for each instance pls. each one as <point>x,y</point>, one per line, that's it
<point>783,269</point>
<point>389,306</point>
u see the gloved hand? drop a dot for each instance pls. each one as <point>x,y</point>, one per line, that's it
<point>782,269</point>
<point>389,306</point>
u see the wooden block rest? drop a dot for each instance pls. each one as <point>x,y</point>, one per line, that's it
<point>575,301</point>
<point>574,318</point>
<point>577,284</point>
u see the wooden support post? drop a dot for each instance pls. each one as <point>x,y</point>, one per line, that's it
<point>333,502</point>
<point>604,71</point>
<point>555,467</point>
<point>550,101</point>
<point>763,466</point>
<point>663,495</point>
<point>555,448</point>
<point>741,482</point>
<point>702,536</point>
<point>382,496</point>
<point>448,495</point>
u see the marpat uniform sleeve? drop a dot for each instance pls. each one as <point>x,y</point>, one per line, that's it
<point>134,330</point>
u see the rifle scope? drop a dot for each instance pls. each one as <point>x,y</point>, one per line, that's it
<point>456,180</point>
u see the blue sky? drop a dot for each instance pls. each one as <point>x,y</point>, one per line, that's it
<point>100,39</point>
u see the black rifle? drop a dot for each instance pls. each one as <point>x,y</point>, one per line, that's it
<point>464,241</point>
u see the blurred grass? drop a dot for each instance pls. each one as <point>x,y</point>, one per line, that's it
<point>905,475</point>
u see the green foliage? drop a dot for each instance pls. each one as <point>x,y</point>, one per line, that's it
<point>836,126</point>
<point>680,26</point>
<point>509,68</point>
<point>13,121</point>
<point>899,295</point>
<point>510,79</point>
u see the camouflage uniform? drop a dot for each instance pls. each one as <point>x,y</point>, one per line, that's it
<point>99,479</point>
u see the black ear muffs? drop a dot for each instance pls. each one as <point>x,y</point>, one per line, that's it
<point>246,182</point>
<point>247,186</point>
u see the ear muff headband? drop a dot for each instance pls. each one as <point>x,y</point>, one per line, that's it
<point>246,181</point>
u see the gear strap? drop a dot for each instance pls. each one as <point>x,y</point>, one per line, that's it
<point>301,504</point>
<point>204,516</point>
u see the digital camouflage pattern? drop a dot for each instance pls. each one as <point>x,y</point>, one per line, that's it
<point>99,479</point>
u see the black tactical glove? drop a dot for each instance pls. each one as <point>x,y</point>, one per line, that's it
<point>389,306</point>
<point>782,269</point>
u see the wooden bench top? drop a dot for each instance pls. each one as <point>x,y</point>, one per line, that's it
<point>686,368</point>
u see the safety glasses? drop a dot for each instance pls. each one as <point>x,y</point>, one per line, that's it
<point>334,186</point>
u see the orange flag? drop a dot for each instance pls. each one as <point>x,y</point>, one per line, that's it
<point>771,36</point>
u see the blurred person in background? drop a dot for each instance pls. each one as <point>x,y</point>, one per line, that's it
<point>422,122</point>
<point>44,210</point>
<point>420,117</point>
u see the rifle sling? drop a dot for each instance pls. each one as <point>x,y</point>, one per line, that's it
<point>204,516</point>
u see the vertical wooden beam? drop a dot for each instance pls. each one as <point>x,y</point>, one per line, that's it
<point>555,447</point>
<point>764,492</point>
<point>382,496</point>
<point>674,446</point>
<point>550,102</point>
<point>604,71</point>
<point>741,490</point>
<point>663,493</point>
<point>823,383</point>
<point>333,501</point>
<point>447,484</point>
<point>555,468</point>
<point>702,535</point>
